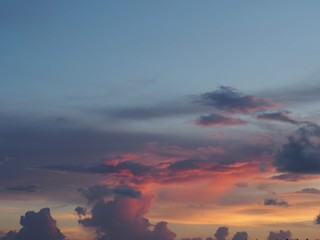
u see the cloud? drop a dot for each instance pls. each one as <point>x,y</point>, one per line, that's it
<point>81,211</point>
<point>278,116</point>
<point>36,226</point>
<point>292,177</point>
<point>230,100</point>
<point>240,236</point>
<point>281,235</point>
<point>23,188</point>
<point>123,218</point>
<point>275,202</point>
<point>222,233</point>
<point>317,219</point>
<point>302,152</point>
<point>309,191</point>
<point>218,120</point>
<point>96,192</point>
<point>11,235</point>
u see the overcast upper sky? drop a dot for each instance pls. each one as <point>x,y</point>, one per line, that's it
<point>159,120</point>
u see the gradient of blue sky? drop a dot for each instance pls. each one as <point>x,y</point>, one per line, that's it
<point>89,81</point>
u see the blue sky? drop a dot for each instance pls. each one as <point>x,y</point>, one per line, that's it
<point>187,112</point>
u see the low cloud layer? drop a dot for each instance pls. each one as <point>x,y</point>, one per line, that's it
<point>36,226</point>
<point>281,235</point>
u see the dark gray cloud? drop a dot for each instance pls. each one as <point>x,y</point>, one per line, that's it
<point>97,192</point>
<point>37,226</point>
<point>123,218</point>
<point>240,236</point>
<point>302,152</point>
<point>275,202</point>
<point>222,233</point>
<point>281,235</point>
<point>309,190</point>
<point>230,100</point>
<point>282,116</point>
<point>218,120</point>
<point>81,211</point>
<point>23,188</point>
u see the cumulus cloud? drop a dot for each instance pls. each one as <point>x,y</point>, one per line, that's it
<point>123,218</point>
<point>23,188</point>
<point>218,120</point>
<point>282,116</point>
<point>240,236</point>
<point>221,233</point>
<point>275,202</point>
<point>281,235</point>
<point>36,226</point>
<point>302,152</point>
<point>230,100</point>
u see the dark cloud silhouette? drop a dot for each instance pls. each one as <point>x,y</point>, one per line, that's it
<point>282,116</point>
<point>222,233</point>
<point>302,152</point>
<point>81,211</point>
<point>36,226</point>
<point>309,190</point>
<point>230,100</point>
<point>281,235</point>
<point>218,120</point>
<point>123,218</point>
<point>96,192</point>
<point>11,235</point>
<point>275,202</point>
<point>240,236</point>
<point>317,219</point>
<point>23,188</point>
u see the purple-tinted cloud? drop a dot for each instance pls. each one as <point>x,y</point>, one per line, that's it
<point>218,120</point>
<point>123,218</point>
<point>240,236</point>
<point>317,219</point>
<point>222,233</point>
<point>37,226</point>
<point>278,116</point>
<point>97,192</point>
<point>281,235</point>
<point>275,202</point>
<point>81,211</point>
<point>302,152</point>
<point>230,100</point>
<point>309,191</point>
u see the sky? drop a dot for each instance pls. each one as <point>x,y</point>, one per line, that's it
<point>159,120</point>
